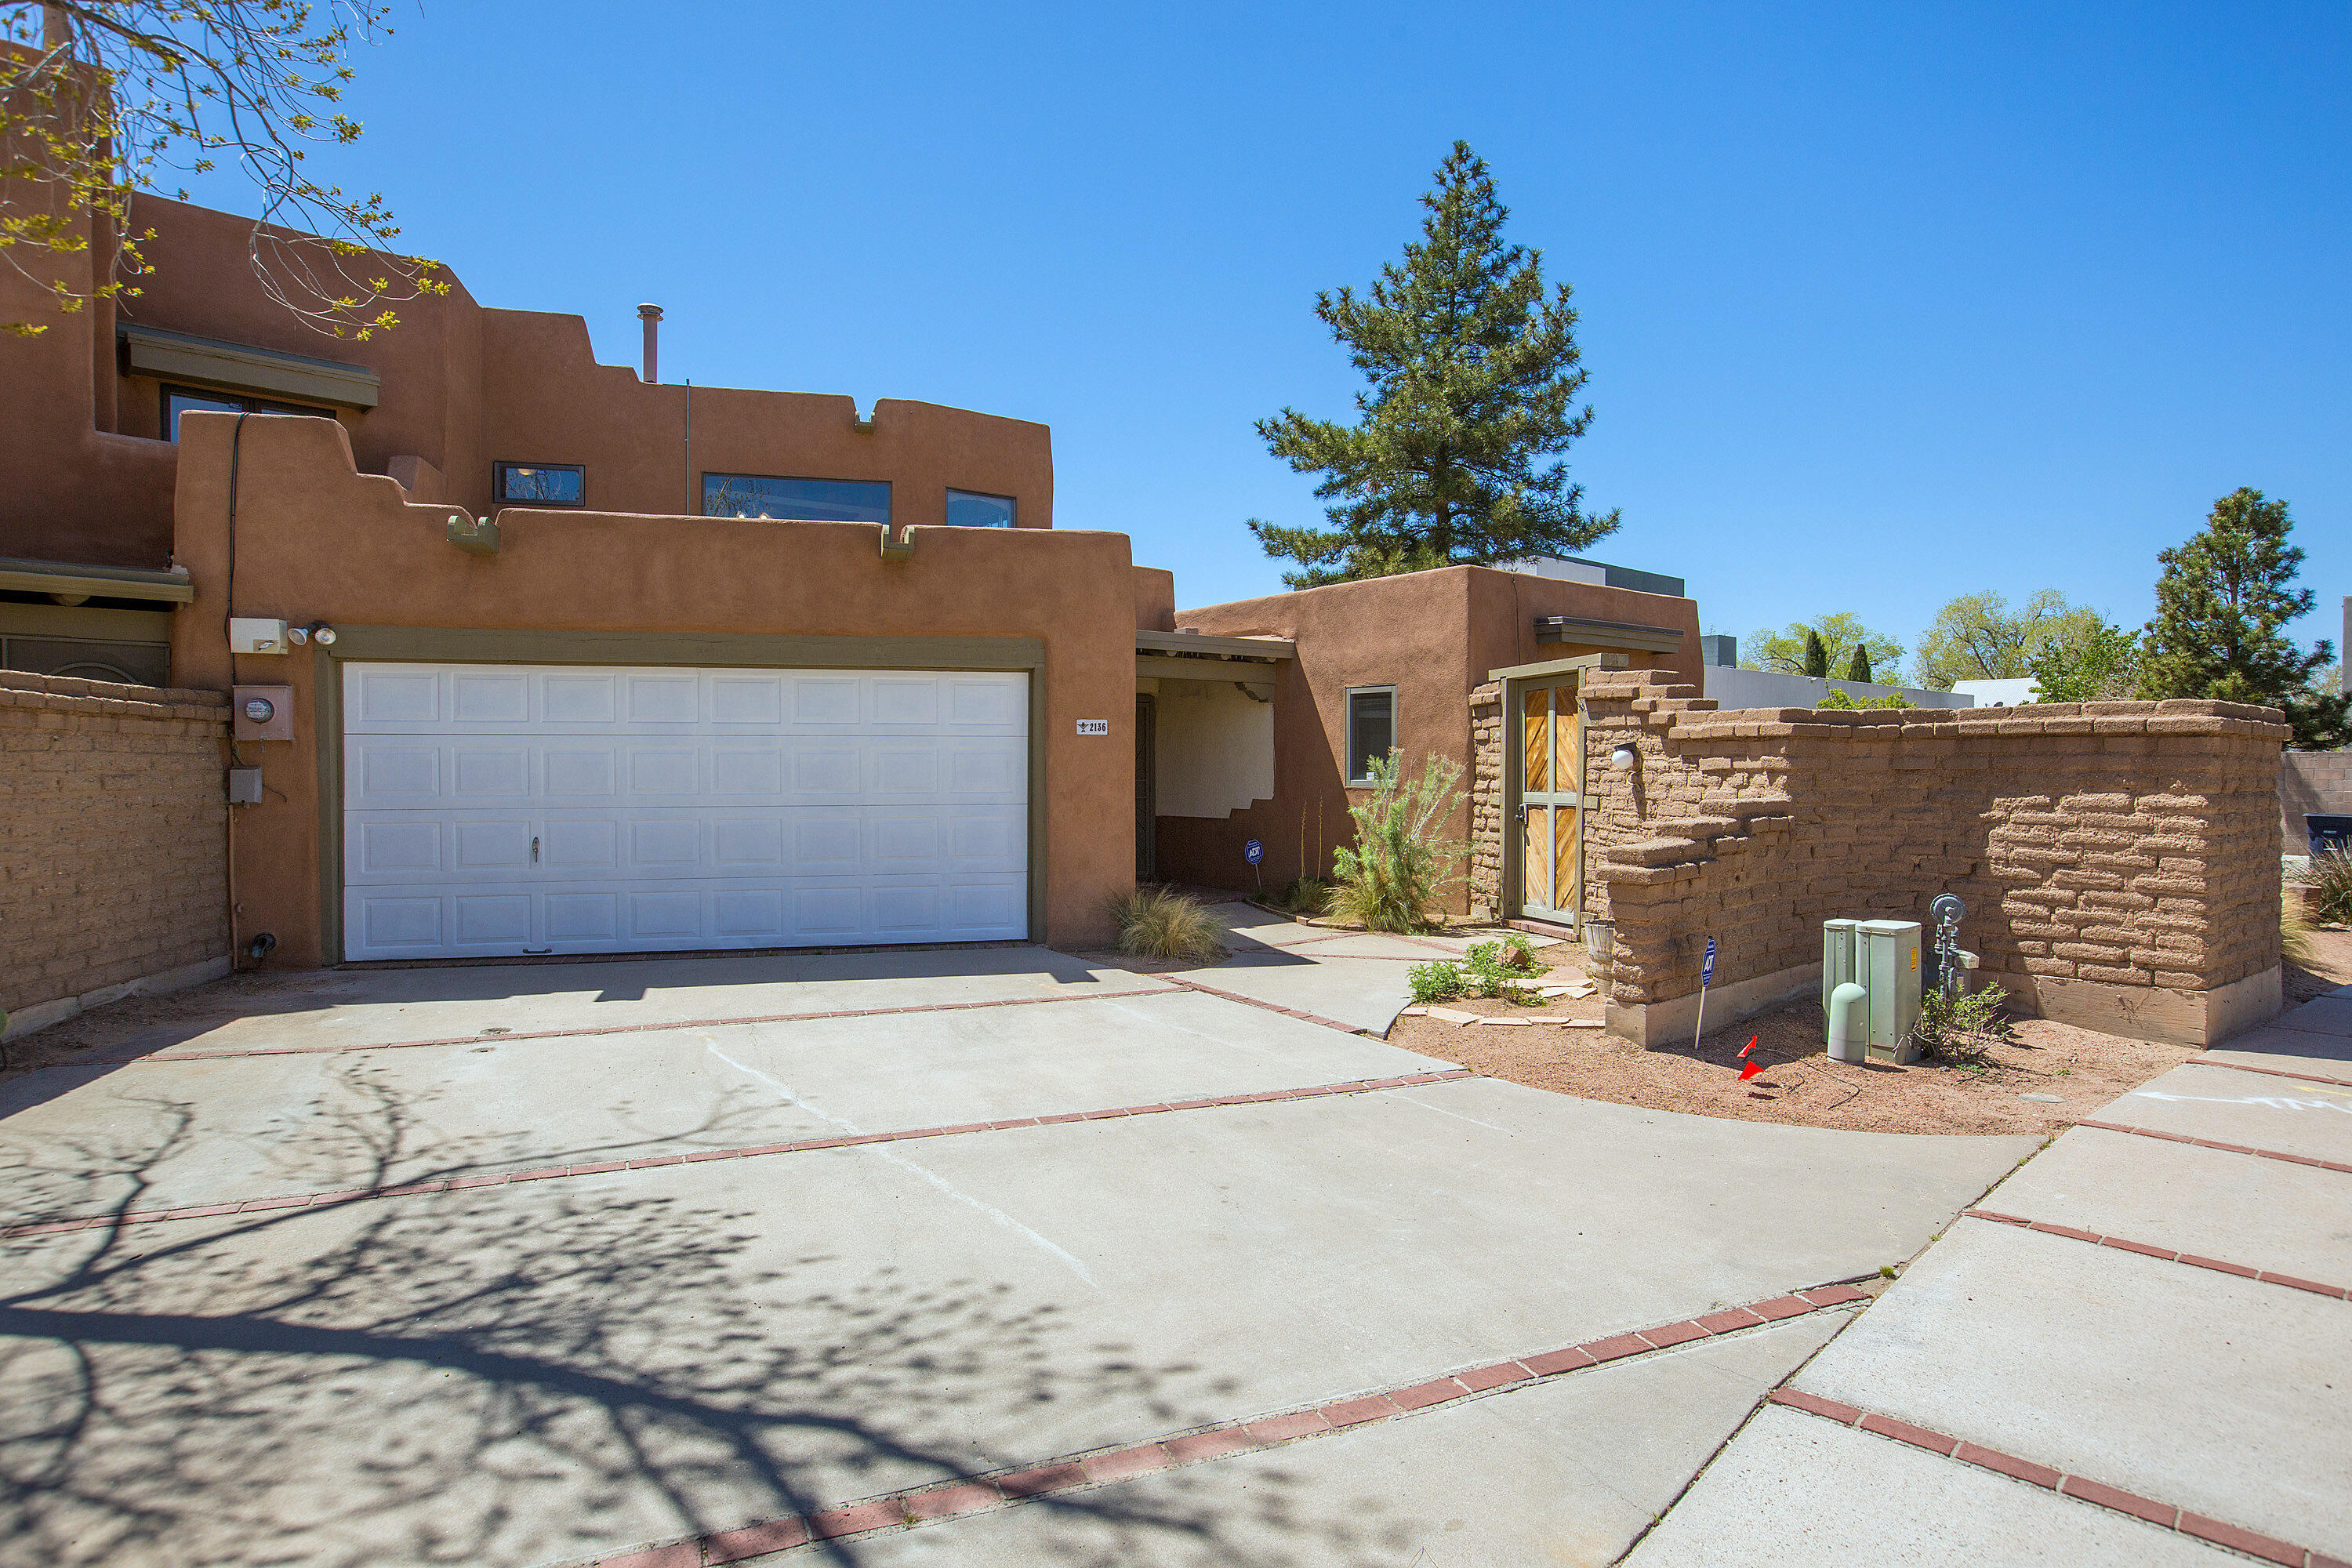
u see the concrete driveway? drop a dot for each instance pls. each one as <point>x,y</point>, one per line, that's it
<point>995,1257</point>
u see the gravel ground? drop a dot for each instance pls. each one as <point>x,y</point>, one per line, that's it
<point>1800,1085</point>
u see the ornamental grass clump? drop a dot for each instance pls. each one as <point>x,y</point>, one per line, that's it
<point>1160,923</point>
<point>1392,875</point>
<point>2327,888</point>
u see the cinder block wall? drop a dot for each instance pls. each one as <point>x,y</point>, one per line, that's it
<point>113,840</point>
<point>2119,859</point>
<point>2316,782</point>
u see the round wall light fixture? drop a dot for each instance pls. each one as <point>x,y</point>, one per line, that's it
<point>1622,757</point>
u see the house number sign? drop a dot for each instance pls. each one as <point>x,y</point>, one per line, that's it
<point>1093,726</point>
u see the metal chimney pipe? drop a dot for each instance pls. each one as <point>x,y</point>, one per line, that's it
<point>651,316</point>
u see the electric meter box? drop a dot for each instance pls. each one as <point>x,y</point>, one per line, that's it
<point>262,712</point>
<point>1838,949</point>
<point>1886,961</point>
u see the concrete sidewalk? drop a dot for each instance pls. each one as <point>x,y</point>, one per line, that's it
<point>2137,1350</point>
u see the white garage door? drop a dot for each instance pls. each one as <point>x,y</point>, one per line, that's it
<point>500,809</point>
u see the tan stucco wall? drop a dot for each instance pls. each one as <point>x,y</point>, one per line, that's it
<point>1155,599</point>
<point>1215,748</point>
<point>318,540</point>
<point>85,476</point>
<point>1431,635</point>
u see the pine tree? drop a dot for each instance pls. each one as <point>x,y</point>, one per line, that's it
<point>1473,371</point>
<point>2221,606</point>
<point>1817,657</point>
<point>1858,666</point>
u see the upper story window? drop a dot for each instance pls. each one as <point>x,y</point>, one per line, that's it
<point>969,508</point>
<point>539,484</point>
<point>1372,728</point>
<point>801,500</point>
<point>179,400</point>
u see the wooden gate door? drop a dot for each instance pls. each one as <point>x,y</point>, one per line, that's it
<point>1549,782</point>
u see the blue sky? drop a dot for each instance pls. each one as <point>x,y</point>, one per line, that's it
<point>1882,304</point>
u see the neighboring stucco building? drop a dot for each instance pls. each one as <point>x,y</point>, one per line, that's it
<point>531,655</point>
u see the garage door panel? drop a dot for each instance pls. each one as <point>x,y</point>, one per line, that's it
<point>675,809</point>
<point>490,697</point>
<point>578,698</point>
<point>400,846</point>
<point>493,918</point>
<point>664,699</point>
<point>502,846</point>
<point>583,917</point>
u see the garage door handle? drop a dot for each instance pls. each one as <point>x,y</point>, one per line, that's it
<point>535,848</point>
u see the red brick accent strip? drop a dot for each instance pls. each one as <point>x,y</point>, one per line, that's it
<point>1268,1006</point>
<point>2267,1276</point>
<point>973,1494</point>
<point>799,1146</point>
<point>2224,1148</point>
<point>2268,1548</point>
<point>2271,1072</point>
<point>507,1037</point>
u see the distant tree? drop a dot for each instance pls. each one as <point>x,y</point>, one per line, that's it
<point>2222,608</point>
<point>1978,636</point>
<point>98,99</point>
<point>1838,632</point>
<point>1817,657</point>
<point>1858,666</point>
<point>1474,373</point>
<point>2089,662</point>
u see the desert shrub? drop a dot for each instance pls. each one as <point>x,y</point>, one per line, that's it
<point>2327,888</point>
<point>1160,923</point>
<point>1842,698</point>
<point>1438,982</point>
<point>1960,1030</point>
<point>2295,945</point>
<point>1398,866</point>
<point>1306,896</point>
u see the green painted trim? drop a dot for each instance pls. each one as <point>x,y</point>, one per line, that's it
<point>327,697</point>
<point>461,645</point>
<point>83,622</point>
<point>748,650</point>
<point>1561,667</point>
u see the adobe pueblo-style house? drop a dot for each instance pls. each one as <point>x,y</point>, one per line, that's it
<point>531,655</point>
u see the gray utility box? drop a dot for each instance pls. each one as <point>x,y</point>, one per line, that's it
<point>1883,957</point>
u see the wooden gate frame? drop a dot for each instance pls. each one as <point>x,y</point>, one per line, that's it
<point>1514,682</point>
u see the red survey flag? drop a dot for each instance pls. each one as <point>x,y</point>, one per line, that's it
<point>1748,1047</point>
<point>1751,1071</point>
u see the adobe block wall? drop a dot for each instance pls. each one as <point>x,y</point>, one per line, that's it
<point>2316,782</point>
<point>2118,859</point>
<point>113,837</point>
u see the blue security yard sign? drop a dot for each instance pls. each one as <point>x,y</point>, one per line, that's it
<point>1254,852</point>
<point>1705,979</point>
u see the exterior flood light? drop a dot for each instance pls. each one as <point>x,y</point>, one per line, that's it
<point>319,632</point>
<point>1621,757</point>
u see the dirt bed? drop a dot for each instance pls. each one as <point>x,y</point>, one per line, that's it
<point>1800,1084</point>
<point>2329,966</point>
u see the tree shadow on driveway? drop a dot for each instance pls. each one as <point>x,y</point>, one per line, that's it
<point>513,1376</point>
